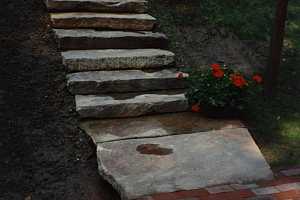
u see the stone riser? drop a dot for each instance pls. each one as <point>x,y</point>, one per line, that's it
<point>110,40</point>
<point>118,43</point>
<point>107,107</point>
<point>86,88</point>
<point>113,6</point>
<point>100,82</point>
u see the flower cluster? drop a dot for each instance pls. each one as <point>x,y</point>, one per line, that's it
<point>219,86</point>
<point>236,78</point>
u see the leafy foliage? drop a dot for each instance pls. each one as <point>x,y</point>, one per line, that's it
<point>221,87</point>
<point>249,19</point>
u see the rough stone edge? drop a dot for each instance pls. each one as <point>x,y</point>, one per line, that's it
<point>108,177</point>
<point>75,64</point>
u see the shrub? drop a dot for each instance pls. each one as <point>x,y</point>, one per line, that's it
<point>221,87</point>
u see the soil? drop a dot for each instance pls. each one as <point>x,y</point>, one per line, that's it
<point>44,155</point>
<point>197,43</point>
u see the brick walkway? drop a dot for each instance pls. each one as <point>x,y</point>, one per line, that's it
<point>286,186</point>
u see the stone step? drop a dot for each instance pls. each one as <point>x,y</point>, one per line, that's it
<point>116,59</point>
<point>141,167</point>
<point>100,82</point>
<point>77,39</point>
<point>153,126</point>
<point>91,106</point>
<point>137,22</point>
<point>112,6</point>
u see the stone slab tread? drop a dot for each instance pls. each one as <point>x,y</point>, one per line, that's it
<point>137,22</point>
<point>92,106</point>
<point>113,6</point>
<point>117,59</point>
<point>100,82</point>
<point>153,126</point>
<point>143,167</point>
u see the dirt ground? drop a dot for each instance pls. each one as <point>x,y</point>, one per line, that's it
<point>43,153</point>
<point>197,43</point>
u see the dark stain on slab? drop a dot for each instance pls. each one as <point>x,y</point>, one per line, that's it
<point>153,149</point>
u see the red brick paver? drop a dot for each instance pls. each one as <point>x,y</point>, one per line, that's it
<point>285,187</point>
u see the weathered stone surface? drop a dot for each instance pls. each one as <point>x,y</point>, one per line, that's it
<point>114,59</point>
<point>76,39</point>
<point>99,82</point>
<point>91,106</point>
<point>142,167</point>
<point>138,22</point>
<point>153,126</point>
<point>113,6</point>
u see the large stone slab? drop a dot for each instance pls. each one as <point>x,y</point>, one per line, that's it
<point>99,82</point>
<point>91,106</point>
<point>140,167</point>
<point>153,126</point>
<point>76,39</point>
<point>115,59</point>
<point>113,6</point>
<point>138,22</point>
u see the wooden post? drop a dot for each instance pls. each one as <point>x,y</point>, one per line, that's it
<point>272,71</point>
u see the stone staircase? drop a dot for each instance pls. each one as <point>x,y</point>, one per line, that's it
<point>134,108</point>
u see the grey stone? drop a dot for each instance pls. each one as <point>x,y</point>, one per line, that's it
<point>153,126</point>
<point>138,22</point>
<point>113,6</point>
<point>142,167</point>
<point>76,39</point>
<point>99,82</point>
<point>91,106</point>
<point>114,59</point>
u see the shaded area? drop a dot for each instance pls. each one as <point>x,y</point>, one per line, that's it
<point>195,41</point>
<point>44,155</point>
<point>200,34</point>
<point>276,122</point>
<point>153,149</point>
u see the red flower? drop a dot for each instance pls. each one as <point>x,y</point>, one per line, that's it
<point>216,70</point>
<point>196,108</point>
<point>238,80</point>
<point>257,78</point>
<point>215,66</point>
<point>219,73</point>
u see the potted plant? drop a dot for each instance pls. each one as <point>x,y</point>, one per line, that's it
<point>220,91</point>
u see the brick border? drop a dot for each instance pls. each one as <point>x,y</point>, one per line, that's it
<point>285,187</point>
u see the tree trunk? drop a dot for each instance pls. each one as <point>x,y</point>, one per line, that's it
<point>272,71</point>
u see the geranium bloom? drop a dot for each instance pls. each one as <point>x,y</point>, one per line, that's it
<point>215,66</point>
<point>196,108</point>
<point>219,73</point>
<point>238,80</point>
<point>257,78</point>
<point>181,75</point>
